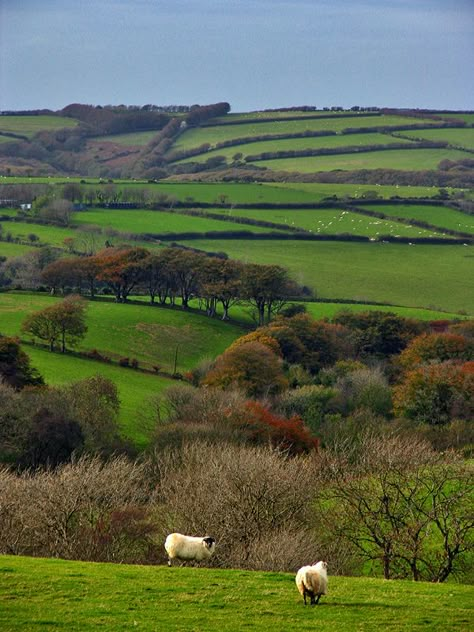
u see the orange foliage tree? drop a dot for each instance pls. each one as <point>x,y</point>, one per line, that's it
<point>436,393</point>
<point>430,348</point>
<point>260,425</point>
<point>252,367</point>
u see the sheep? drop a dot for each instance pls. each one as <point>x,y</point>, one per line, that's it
<point>185,547</point>
<point>313,581</point>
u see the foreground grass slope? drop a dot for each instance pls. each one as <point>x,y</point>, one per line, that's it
<point>54,594</point>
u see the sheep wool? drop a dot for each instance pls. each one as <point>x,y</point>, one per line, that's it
<point>186,547</point>
<point>312,581</point>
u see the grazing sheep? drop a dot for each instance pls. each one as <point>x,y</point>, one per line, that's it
<point>312,581</point>
<point>186,547</point>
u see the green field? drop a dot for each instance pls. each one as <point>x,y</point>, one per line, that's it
<point>196,136</point>
<point>76,596</point>
<point>329,310</point>
<point>298,144</point>
<point>142,221</point>
<point>331,221</point>
<point>321,190</point>
<point>458,137</point>
<point>427,276</point>
<point>132,139</point>
<point>149,334</point>
<point>30,125</point>
<point>436,215</point>
<point>403,159</point>
<point>135,388</point>
<point>47,234</point>
<point>9,249</point>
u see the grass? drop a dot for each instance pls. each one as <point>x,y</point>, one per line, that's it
<point>52,594</point>
<point>149,334</point>
<point>322,190</point>
<point>30,125</point>
<point>429,276</point>
<point>331,221</point>
<point>142,221</point>
<point>48,234</point>
<point>459,137</point>
<point>298,144</point>
<point>402,159</point>
<point>135,388</point>
<point>9,249</point>
<point>195,137</point>
<point>328,310</point>
<point>437,215</point>
<point>132,139</point>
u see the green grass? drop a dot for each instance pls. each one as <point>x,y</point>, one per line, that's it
<point>195,137</point>
<point>149,334</point>
<point>429,276</point>
<point>132,139</point>
<point>142,221</point>
<point>298,144</point>
<point>30,125</point>
<point>459,137</point>
<point>436,215</point>
<point>8,249</point>
<point>328,310</point>
<point>321,190</point>
<point>135,388</point>
<point>469,118</point>
<point>48,234</point>
<point>330,222</point>
<point>53,594</point>
<point>403,159</point>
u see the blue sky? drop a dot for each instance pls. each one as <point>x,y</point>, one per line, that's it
<point>254,54</point>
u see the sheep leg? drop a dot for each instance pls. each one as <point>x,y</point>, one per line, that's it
<point>304,597</point>
<point>317,600</point>
<point>312,599</point>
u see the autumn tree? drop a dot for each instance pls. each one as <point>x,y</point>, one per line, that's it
<point>436,393</point>
<point>252,367</point>
<point>121,269</point>
<point>63,323</point>
<point>267,288</point>
<point>431,348</point>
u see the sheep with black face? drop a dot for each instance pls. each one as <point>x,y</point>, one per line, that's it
<point>189,548</point>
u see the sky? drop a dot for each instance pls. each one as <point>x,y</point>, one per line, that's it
<point>255,54</point>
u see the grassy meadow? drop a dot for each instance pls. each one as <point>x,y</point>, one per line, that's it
<point>143,221</point>
<point>332,221</point>
<point>10,249</point>
<point>215,134</point>
<point>149,334</point>
<point>436,215</point>
<point>31,125</point>
<point>298,144</point>
<point>457,137</point>
<point>75,596</point>
<point>430,276</point>
<point>401,159</point>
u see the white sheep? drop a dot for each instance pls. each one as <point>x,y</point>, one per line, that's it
<point>186,547</point>
<point>312,581</point>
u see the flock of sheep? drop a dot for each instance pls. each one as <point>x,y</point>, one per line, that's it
<point>311,581</point>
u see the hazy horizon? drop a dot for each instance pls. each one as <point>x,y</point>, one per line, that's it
<point>254,54</point>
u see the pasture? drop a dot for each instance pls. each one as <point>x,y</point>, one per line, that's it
<point>457,137</point>
<point>298,144</point>
<point>142,221</point>
<point>31,125</point>
<point>149,334</point>
<point>402,159</point>
<point>429,276</point>
<point>440,216</point>
<point>134,139</point>
<point>194,137</point>
<point>10,249</point>
<point>51,593</point>
<point>331,221</point>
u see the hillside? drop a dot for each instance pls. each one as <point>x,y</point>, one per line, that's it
<point>79,596</point>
